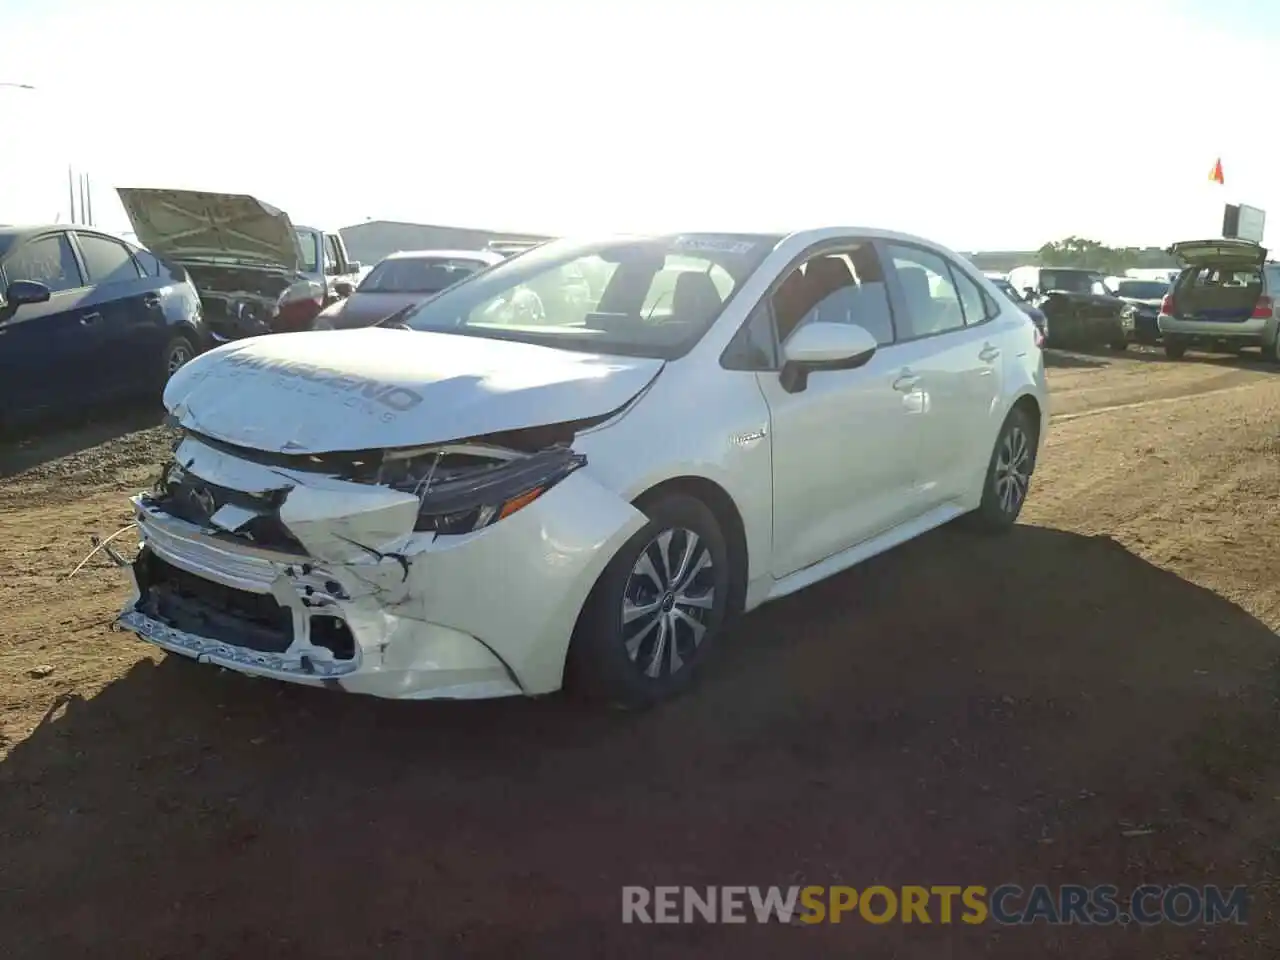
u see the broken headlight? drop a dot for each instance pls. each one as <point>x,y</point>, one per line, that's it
<point>461,490</point>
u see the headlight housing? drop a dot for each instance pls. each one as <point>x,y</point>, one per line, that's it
<point>463,488</point>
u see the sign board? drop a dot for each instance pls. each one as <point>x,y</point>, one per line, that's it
<point>1243,222</point>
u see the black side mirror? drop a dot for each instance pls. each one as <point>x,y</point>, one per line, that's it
<point>22,292</point>
<point>342,288</point>
<point>1028,292</point>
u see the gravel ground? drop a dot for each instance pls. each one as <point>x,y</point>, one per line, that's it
<point>1091,699</point>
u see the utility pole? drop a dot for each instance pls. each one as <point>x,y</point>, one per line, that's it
<point>71,192</point>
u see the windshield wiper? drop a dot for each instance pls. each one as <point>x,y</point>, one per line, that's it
<point>396,320</point>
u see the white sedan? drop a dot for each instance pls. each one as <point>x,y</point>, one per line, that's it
<point>479,504</point>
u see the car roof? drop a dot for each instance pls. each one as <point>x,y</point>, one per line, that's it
<point>484,256</point>
<point>12,235</point>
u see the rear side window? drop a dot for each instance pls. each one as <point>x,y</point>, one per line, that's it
<point>147,260</point>
<point>106,260</point>
<point>48,260</point>
<point>1272,275</point>
<point>977,306</point>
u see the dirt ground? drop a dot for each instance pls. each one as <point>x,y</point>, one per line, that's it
<point>1091,699</point>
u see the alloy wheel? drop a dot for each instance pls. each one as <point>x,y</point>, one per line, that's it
<point>667,602</point>
<point>1012,475</point>
<point>179,355</point>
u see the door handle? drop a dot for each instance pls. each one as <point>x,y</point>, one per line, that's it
<point>988,353</point>
<point>906,382</point>
<point>89,319</point>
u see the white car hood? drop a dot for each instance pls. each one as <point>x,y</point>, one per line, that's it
<point>193,224</point>
<point>375,388</point>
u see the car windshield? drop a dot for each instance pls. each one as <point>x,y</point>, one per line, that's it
<point>635,296</point>
<point>1142,289</point>
<point>308,250</point>
<point>418,274</point>
<point>1072,281</point>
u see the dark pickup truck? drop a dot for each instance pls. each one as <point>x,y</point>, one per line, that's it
<point>1080,308</point>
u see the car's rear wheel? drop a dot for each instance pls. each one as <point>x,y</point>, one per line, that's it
<point>1272,353</point>
<point>178,352</point>
<point>1008,479</point>
<point>1174,349</point>
<point>1119,345</point>
<point>656,612</point>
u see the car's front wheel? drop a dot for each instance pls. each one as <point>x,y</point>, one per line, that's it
<point>656,612</point>
<point>1008,478</point>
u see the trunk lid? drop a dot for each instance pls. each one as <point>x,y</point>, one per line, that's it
<point>1196,253</point>
<point>194,224</point>
<point>374,388</point>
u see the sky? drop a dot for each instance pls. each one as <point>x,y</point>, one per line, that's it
<point>981,124</point>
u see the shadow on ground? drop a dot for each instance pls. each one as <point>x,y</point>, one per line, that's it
<point>54,439</point>
<point>1101,356</point>
<point>978,710</point>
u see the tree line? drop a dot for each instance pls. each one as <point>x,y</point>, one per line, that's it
<point>1092,255</point>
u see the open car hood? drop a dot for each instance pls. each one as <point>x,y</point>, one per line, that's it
<point>1196,252</point>
<point>193,224</point>
<point>374,388</point>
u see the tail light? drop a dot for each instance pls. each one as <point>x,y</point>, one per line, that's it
<point>297,307</point>
<point>1166,305</point>
<point>1262,309</point>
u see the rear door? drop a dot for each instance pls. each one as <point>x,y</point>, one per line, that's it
<point>945,321</point>
<point>132,333</point>
<point>48,351</point>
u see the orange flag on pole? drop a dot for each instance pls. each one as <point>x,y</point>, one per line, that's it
<point>1216,173</point>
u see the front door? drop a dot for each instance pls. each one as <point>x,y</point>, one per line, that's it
<point>843,447</point>
<point>49,357</point>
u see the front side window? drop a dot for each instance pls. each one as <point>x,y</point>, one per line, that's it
<point>48,260</point>
<point>308,251</point>
<point>931,299</point>
<point>106,261</point>
<point>417,274</point>
<point>645,296</point>
<point>845,286</point>
<point>331,259</point>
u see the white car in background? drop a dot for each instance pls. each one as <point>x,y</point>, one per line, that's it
<point>476,504</point>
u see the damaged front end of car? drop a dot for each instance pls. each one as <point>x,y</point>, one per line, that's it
<point>399,573</point>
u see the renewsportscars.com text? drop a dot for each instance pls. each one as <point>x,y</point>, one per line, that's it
<point>1008,904</point>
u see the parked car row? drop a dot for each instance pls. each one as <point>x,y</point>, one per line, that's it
<point>1222,298</point>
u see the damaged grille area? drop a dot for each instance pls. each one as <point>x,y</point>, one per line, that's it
<point>190,498</point>
<point>195,605</point>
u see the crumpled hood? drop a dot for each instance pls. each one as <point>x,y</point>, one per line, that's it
<point>195,224</point>
<point>374,388</point>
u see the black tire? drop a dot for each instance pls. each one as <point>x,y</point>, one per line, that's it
<point>178,352</point>
<point>600,666</point>
<point>1272,354</point>
<point>1174,350</point>
<point>1119,346</point>
<point>1016,445</point>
